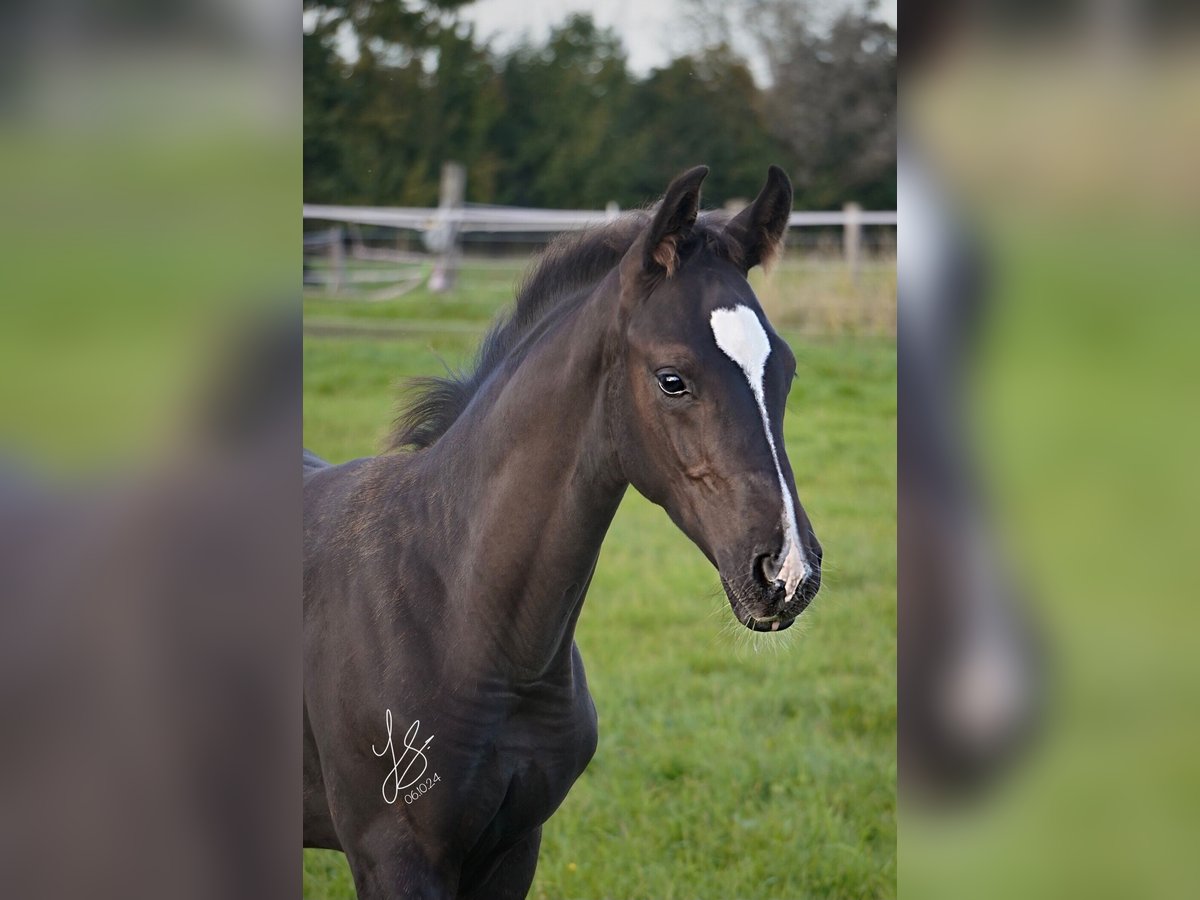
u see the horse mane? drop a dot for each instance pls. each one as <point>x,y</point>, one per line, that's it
<point>570,263</point>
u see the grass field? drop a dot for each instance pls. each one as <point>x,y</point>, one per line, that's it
<point>729,765</point>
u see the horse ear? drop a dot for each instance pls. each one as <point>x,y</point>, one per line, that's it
<point>759,228</point>
<point>657,251</point>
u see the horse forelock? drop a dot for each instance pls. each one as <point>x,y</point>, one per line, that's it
<point>567,269</point>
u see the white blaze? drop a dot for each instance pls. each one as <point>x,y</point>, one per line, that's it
<point>742,338</point>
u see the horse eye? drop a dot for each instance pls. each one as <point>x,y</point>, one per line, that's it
<point>671,384</point>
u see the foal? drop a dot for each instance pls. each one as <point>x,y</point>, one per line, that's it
<point>446,712</point>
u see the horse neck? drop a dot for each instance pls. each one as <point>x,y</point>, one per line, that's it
<point>530,483</point>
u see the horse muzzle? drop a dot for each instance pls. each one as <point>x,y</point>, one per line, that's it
<point>761,603</point>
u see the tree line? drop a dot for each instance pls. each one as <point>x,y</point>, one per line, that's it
<point>393,88</point>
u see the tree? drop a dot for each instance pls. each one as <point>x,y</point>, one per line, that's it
<point>419,92</point>
<point>383,27</point>
<point>833,102</point>
<point>394,89</point>
<point>830,91</point>
<point>579,130</point>
<point>558,139</point>
<point>703,108</point>
<point>324,96</point>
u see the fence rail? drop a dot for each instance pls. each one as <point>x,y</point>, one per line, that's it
<point>352,258</point>
<point>497,219</point>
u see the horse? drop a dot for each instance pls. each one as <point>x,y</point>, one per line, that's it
<point>446,708</point>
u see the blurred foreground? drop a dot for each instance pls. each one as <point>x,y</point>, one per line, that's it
<point>149,388</point>
<point>1068,146</point>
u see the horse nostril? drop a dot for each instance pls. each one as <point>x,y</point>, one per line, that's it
<point>769,565</point>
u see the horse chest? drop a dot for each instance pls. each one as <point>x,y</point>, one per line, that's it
<point>532,757</point>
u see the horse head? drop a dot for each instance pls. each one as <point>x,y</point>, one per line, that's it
<point>697,392</point>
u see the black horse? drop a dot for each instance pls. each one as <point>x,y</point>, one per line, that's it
<point>446,712</point>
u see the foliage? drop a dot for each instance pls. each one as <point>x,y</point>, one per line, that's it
<point>832,101</point>
<point>701,108</point>
<point>380,26</point>
<point>376,130</point>
<point>564,123</point>
<point>559,136</point>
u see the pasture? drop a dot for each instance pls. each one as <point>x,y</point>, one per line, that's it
<point>729,764</point>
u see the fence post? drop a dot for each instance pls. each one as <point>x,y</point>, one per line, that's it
<point>852,237</point>
<point>337,259</point>
<point>453,188</point>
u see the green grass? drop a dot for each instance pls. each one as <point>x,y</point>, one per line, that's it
<point>729,764</point>
<point>813,294</point>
